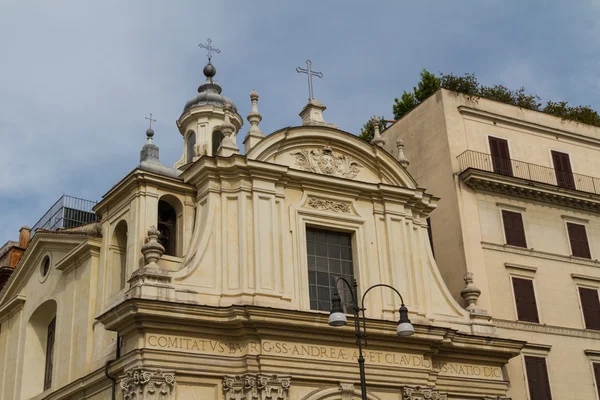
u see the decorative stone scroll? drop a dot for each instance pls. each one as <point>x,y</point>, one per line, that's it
<point>420,393</point>
<point>329,205</point>
<point>256,387</point>
<point>139,384</point>
<point>328,162</point>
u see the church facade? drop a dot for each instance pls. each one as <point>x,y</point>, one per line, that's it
<point>214,279</point>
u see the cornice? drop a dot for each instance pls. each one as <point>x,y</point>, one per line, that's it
<point>542,192</point>
<point>26,266</point>
<point>12,306</point>
<point>139,177</point>
<point>87,249</point>
<point>88,386</point>
<point>539,254</point>
<point>549,329</point>
<point>135,315</point>
<point>482,114</point>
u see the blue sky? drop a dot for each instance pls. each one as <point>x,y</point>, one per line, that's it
<point>77,78</point>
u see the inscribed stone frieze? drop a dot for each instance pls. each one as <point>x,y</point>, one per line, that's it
<point>318,352</point>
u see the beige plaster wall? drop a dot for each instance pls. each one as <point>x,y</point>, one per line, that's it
<point>427,147</point>
<point>75,296</point>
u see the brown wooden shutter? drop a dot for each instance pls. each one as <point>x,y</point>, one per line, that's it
<point>590,305</point>
<point>537,378</point>
<point>525,300</point>
<point>500,156</point>
<point>579,241</point>
<point>513,228</point>
<point>597,376</point>
<point>562,168</point>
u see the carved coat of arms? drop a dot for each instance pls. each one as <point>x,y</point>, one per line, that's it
<point>328,162</point>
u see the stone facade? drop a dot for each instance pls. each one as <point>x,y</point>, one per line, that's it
<point>447,140</point>
<point>227,315</point>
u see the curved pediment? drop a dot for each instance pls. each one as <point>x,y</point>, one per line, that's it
<point>332,152</point>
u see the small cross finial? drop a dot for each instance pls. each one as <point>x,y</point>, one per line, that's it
<point>308,71</point>
<point>151,120</point>
<point>209,49</point>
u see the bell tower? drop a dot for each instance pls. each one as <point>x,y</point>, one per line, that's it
<point>210,121</point>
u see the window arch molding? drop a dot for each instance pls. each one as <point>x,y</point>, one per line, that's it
<point>170,224</point>
<point>38,360</point>
<point>216,138</point>
<point>118,274</point>
<point>190,144</point>
<point>345,391</point>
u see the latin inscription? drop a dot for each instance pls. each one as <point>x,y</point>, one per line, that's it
<point>310,351</point>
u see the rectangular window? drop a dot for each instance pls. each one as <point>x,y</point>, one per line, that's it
<point>500,156</point>
<point>579,241</point>
<point>49,354</point>
<point>525,300</point>
<point>562,169</point>
<point>329,257</point>
<point>597,376</point>
<point>537,378</point>
<point>590,305</point>
<point>513,228</point>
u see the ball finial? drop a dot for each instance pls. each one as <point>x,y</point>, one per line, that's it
<point>210,70</point>
<point>150,133</point>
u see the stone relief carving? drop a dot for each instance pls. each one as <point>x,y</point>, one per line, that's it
<point>329,205</point>
<point>419,393</point>
<point>347,390</point>
<point>139,384</point>
<point>256,387</point>
<point>328,162</point>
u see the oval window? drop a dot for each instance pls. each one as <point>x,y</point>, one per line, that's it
<point>45,267</point>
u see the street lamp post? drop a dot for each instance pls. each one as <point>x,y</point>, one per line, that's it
<point>338,318</point>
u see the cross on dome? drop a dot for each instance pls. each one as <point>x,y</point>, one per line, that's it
<point>209,49</point>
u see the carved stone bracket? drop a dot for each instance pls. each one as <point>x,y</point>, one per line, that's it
<point>328,162</point>
<point>421,393</point>
<point>256,387</point>
<point>329,205</point>
<point>140,384</point>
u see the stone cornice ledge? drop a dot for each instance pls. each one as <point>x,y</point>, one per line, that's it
<point>488,181</point>
<point>87,249</point>
<point>539,254</point>
<point>549,329</point>
<point>12,306</point>
<point>135,315</point>
<point>527,125</point>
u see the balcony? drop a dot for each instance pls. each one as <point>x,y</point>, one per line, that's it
<point>522,179</point>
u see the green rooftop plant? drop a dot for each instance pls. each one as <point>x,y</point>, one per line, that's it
<point>469,86</point>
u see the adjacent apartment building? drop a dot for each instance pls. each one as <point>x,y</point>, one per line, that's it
<point>520,210</point>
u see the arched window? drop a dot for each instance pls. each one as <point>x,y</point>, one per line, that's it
<point>167,225</point>
<point>217,138</point>
<point>119,249</point>
<point>40,336</point>
<point>191,143</point>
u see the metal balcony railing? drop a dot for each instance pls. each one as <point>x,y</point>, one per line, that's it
<point>67,212</point>
<point>528,171</point>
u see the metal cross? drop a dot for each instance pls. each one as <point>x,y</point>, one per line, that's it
<point>308,71</point>
<point>151,120</point>
<point>209,48</point>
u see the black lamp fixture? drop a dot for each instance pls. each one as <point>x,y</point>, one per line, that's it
<point>338,318</point>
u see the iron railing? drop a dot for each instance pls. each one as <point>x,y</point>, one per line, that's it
<point>528,171</point>
<point>67,212</point>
